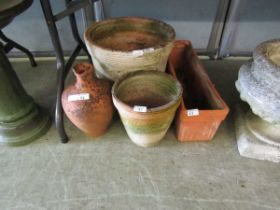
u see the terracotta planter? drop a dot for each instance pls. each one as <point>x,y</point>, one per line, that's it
<point>88,103</point>
<point>202,109</point>
<point>127,44</point>
<point>147,102</point>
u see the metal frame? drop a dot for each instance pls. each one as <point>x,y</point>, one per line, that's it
<point>217,28</point>
<point>230,27</point>
<point>87,15</point>
<point>10,44</point>
<point>99,10</point>
<point>93,12</point>
<point>62,66</point>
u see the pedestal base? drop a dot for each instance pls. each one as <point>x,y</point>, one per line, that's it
<point>26,129</point>
<point>256,138</point>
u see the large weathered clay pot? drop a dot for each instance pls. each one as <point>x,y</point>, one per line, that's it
<point>147,102</point>
<point>88,103</point>
<point>127,44</point>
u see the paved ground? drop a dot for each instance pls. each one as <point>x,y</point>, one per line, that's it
<point>113,173</point>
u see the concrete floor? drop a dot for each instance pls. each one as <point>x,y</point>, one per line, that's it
<point>113,173</point>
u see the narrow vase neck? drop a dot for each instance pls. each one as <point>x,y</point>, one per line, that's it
<point>84,74</point>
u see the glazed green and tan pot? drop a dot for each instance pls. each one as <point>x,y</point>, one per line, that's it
<point>121,45</point>
<point>146,102</point>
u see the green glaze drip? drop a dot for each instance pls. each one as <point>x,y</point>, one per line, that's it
<point>146,128</point>
<point>159,29</point>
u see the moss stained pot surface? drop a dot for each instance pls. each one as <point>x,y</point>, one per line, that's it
<point>127,44</point>
<point>147,102</point>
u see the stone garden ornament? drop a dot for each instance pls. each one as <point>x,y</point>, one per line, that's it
<point>258,127</point>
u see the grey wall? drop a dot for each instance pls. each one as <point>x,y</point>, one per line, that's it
<point>30,30</point>
<point>192,19</point>
<point>254,22</point>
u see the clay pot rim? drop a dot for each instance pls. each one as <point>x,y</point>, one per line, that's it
<point>161,108</point>
<point>87,37</point>
<point>81,72</point>
<point>260,52</point>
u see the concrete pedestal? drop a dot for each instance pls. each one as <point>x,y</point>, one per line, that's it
<point>258,127</point>
<point>256,138</point>
<point>21,120</point>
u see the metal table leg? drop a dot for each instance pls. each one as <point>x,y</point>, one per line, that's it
<point>217,28</point>
<point>62,67</point>
<point>75,32</point>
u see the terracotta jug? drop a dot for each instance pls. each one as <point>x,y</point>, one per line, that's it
<point>88,103</point>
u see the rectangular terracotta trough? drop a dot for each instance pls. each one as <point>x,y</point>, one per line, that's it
<point>202,109</point>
